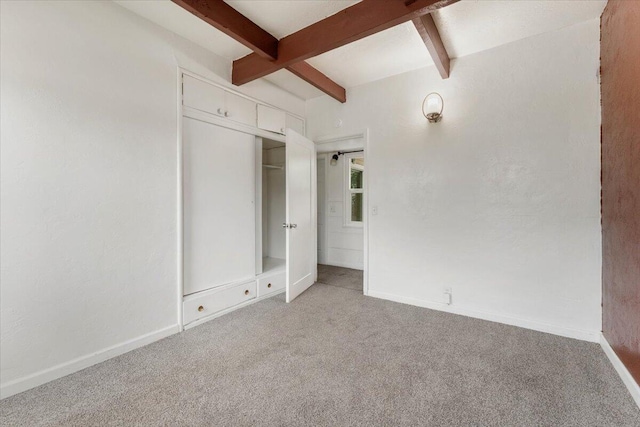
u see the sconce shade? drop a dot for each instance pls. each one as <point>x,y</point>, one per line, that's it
<point>432,107</point>
<point>334,160</point>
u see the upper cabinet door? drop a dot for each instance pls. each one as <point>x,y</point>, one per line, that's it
<point>271,119</point>
<point>240,109</point>
<point>295,123</point>
<point>203,96</point>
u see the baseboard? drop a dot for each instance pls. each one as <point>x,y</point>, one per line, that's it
<point>343,264</point>
<point>583,335</point>
<point>627,379</point>
<point>30,381</point>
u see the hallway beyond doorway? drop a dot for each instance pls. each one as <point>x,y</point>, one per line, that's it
<point>339,276</point>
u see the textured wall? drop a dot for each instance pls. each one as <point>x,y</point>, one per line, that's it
<point>501,200</point>
<point>89,181</point>
<point>620,67</point>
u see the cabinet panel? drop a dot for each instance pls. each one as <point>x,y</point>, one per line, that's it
<point>203,96</point>
<point>295,123</point>
<point>271,283</point>
<point>271,119</point>
<point>210,302</point>
<point>239,109</point>
<point>219,211</point>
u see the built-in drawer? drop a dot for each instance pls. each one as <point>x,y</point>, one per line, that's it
<point>212,301</point>
<point>270,283</point>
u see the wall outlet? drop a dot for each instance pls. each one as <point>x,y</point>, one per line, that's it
<point>374,210</point>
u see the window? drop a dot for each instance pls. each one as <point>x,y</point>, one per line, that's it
<point>354,202</point>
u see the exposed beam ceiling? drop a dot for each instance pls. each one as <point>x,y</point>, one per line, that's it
<point>353,23</point>
<point>231,22</point>
<point>431,37</point>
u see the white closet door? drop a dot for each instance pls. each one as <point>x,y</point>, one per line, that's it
<point>219,212</point>
<point>301,213</point>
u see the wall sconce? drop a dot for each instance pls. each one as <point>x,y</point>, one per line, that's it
<point>334,160</point>
<point>432,107</point>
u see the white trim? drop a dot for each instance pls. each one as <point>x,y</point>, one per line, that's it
<point>179,208</point>
<point>345,265</point>
<point>625,375</point>
<point>30,381</point>
<point>579,334</point>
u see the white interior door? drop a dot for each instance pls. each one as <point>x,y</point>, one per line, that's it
<point>301,213</point>
<point>219,211</point>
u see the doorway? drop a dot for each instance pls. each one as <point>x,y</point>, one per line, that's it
<point>342,212</point>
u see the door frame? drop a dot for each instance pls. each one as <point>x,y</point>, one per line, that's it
<point>323,145</point>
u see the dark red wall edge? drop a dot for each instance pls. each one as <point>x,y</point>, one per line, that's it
<point>620,86</point>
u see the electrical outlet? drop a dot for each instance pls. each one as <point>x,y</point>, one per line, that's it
<point>374,210</point>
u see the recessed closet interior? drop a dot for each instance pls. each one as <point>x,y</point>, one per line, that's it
<point>272,250</point>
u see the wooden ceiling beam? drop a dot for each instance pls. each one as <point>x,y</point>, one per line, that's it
<point>234,24</point>
<point>237,26</point>
<point>431,37</point>
<point>353,23</point>
<point>309,74</point>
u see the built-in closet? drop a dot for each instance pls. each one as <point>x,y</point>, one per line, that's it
<point>238,210</point>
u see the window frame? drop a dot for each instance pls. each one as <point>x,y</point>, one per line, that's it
<point>348,191</point>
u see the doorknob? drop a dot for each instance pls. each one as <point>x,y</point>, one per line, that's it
<point>285,225</point>
<point>293,225</point>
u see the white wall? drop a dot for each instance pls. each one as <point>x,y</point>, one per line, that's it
<point>501,200</point>
<point>341,245</point>
<point>88,195</point>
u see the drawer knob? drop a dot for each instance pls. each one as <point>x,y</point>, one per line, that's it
<point>269,285</point>
<point>201,308</point>
<point>246,292</point>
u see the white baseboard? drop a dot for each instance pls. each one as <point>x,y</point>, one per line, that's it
<point>584,335</point>
<point>627,379</point>
<point>343,264</point>
<point>30,381</point>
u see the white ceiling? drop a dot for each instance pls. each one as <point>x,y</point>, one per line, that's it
<point>466,27</point>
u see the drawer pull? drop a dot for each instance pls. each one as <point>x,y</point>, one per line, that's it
<point>269,285</point>
<point>246,292</point>
<point>201,308</point>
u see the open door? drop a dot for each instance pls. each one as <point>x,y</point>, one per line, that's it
<point>300,224</point>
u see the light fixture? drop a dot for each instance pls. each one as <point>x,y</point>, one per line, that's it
<point>432,107</point>
<point>334,160</point>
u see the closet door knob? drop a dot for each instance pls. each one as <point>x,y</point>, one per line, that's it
<point>221,111</point>
<point>293,225</point>
<point>269,285</point>
<point>285,225</point>
<point>226,114</point>
<point>246,292</point>
<point>201,308</point>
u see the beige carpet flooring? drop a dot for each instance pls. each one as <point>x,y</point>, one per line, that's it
<point>340,276</point>
<point>334,357</point>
